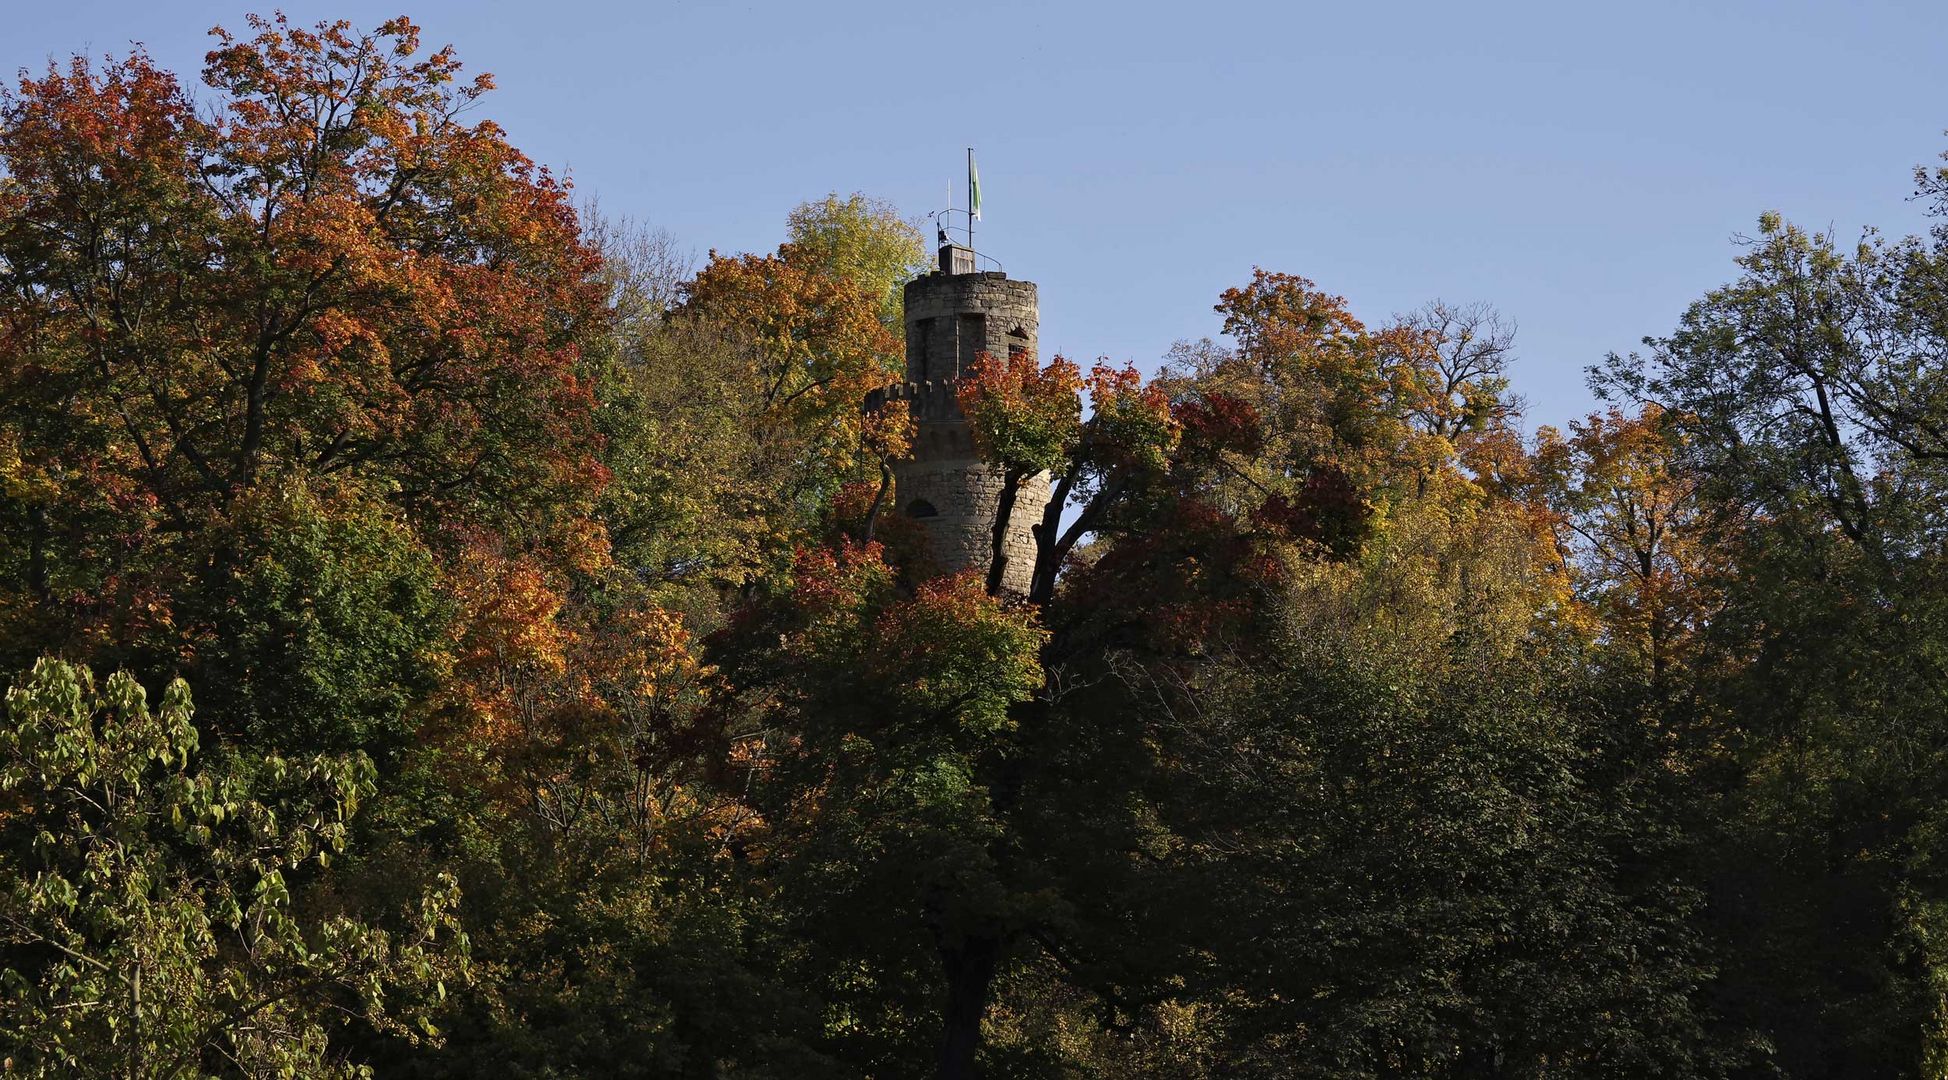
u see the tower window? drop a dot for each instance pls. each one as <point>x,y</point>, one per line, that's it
<point>973,340</point>
<point>919,351</point>
<point>921,508</point>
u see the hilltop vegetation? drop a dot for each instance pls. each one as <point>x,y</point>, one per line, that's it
<point>450,634</point>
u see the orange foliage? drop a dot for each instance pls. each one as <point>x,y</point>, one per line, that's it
<point>1630,521</point>
<point>820,344</point>
<point>1024,415</point>
<point>328,276</point>
<point>1386,406</point>
<point>1132,424</point>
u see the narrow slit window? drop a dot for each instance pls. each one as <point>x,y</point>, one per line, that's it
<point>973,341</point>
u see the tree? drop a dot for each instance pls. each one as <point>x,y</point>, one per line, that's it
<point>149,927</point>
<point>876,720</point>
<point>1634,526</point>
<point>863,240</point>
<point>1391,408</point>
<point>816,346</point>
<point>330,276</point>
<point>1803,396</point>
<point>1028,419</point>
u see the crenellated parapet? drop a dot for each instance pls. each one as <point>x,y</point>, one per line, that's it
<point>952,317</point>
<point>933,401</point>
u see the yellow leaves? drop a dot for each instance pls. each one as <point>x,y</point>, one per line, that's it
<point>1631,518</point>
<point>508,612</point>
<point>863,240</point>
<point>660,670</point>
<point>18,480</point>
<point>582,544</point>
<point>1434,567</point>
<point>888,431</point>
<point>819,339</point>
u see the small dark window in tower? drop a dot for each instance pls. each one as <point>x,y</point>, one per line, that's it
<point>973,340</point>
<point>921,508</point>
<point>918,348</point>
<point>1017,342</point>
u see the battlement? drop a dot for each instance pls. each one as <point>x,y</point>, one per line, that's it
<point>933,401</point>
<point>942,485</point>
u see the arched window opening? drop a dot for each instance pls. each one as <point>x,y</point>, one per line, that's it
<point>921,508</point>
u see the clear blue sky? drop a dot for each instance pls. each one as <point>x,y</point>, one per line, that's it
<point>1583,168</point>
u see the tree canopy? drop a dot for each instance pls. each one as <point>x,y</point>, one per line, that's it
<point>571,698</point>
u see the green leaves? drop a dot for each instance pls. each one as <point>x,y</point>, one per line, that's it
<point>863,240</point>
<point>154,923</point>
<point>1025,416</point>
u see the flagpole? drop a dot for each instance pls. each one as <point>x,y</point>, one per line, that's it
<point>970,198</point>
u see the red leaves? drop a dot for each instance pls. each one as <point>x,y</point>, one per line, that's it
<point>125,124</point>
<point>1024,416</point>
<point>331,274</point>
<point>1133,425</point>
<point>1328,510</point>
<point>1216,423</point>
<point>827,583</point>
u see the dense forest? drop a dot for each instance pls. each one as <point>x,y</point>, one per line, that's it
<point>451,633</point>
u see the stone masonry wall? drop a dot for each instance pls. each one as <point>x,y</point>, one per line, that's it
<point>964,494</point>
<point>952,317</point>
<point>944,485</point>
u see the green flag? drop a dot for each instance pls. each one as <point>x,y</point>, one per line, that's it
<point>973,188</point>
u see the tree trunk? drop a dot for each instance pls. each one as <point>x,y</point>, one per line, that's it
<point>1004,510</point>
<point>970,974</point>
<point>879,501</point>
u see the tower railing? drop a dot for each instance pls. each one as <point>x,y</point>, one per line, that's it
<point>944,218</point>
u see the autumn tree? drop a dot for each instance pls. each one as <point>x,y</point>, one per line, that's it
<point>609,829</point>
<point>1801,396</point>
<point>1323,495</point>
<point>863,240</point>
<point>326,279</point>
<point>874,717</point>
<point>1635,525</point>
<point>814,345</point>
<point>1028,419</point>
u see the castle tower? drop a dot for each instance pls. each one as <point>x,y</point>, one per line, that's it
<point>952,315</point>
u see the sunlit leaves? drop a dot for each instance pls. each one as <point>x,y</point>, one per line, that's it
<point>863,240</point>
<point>1131,423</point>
<point>1024,415</point>
<point>152,920</point>
<point>1389,407</point>
<point>819,347</point>
<point>1634,522</point>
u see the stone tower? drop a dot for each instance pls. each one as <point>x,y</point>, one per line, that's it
<point>952,315</point>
